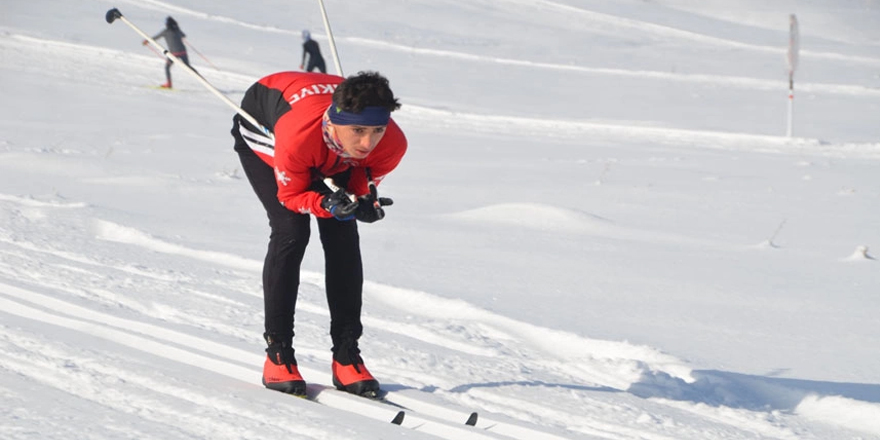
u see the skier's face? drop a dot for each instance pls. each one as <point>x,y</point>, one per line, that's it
<point>358,141</point>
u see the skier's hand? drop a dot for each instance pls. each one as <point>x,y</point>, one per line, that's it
<point>145,42</point>
<point>369,208</point>
<point>340,205</point>
<point>301,67</point>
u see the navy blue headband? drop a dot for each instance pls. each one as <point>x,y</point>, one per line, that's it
<point>370,116</point>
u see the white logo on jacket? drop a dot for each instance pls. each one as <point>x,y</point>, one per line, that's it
<point>281,177</point>
<point>315,89</point>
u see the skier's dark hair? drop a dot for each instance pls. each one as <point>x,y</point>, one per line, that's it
<point>170,23</point>
<point>366,89</point>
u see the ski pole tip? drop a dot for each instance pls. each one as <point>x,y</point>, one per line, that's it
<point>112,15</point>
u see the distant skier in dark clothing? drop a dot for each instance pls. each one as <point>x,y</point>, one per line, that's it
<point>174,40</point>
<point>312,53</point>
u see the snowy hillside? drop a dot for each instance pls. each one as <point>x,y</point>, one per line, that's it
<point>600,230</point>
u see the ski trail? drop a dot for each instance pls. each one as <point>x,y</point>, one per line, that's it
<point>359,409</point>
<point>623,365</point>
<point>62,277</point>
<point>612,364</point>
<point>746,83</point>
<point>409,300</point>
<point>94,380</point>
<point>480,123</point>
<point>127,392</point>
<point>31,202</point>
<point>561,367</point>
<point>82,259</point>
<point>97,324</point>
<point>739,82</point>
<point>628,24</point>
<point>164,7</point>
<point>90,322</point>
<point>412,301</point>
<point>204,349</point>
<point>157,341</point>
<point>595,426</point>
<point>123,234</point>
<point>589,17</point>
<point>513,125</point>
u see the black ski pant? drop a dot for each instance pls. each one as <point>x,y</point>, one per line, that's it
<point>316,63</point>
<point>182,57</point>
<point>288,238</point>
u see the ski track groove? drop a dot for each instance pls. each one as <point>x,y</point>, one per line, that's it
<point>444,120</point>
<point>143,407</point>
<point>96,324</point>
<point>180,339</point>
<point>519,347</point>
<point>95,381</point>
<point>667,31</point>
<point>589,16</point>
<point>594,427</point>
<point>157,339</point>
<point>111,56</point>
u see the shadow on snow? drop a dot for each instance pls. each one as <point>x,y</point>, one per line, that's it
<point>735,390</point>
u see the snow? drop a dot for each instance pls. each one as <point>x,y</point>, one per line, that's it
<point>599,231</point>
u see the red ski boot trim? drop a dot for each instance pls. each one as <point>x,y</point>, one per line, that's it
<point>277,377</point>
<point>348,378</point>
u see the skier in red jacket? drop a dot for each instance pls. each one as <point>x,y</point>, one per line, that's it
<point>323,127</point>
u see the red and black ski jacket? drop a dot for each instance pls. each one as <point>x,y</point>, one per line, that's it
<point>292,105</point>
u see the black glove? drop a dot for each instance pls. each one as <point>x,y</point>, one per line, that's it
<point>369,208</point>
<point>340,205</point>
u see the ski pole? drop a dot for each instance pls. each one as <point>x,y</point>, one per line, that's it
<point>200,54</point>
<point>330,37</point>
<point>371,184</point>
<point>152,49</point>
<point>333,187</point>
<point>114,14</point>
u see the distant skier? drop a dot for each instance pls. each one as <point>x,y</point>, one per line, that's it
<point>311,54</point>
<point>174,40</point>
<point>323,126</point>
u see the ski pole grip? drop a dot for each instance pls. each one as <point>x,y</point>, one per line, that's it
<point>112,15</point>
<point>332,185</point>
<point>371,184</point>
